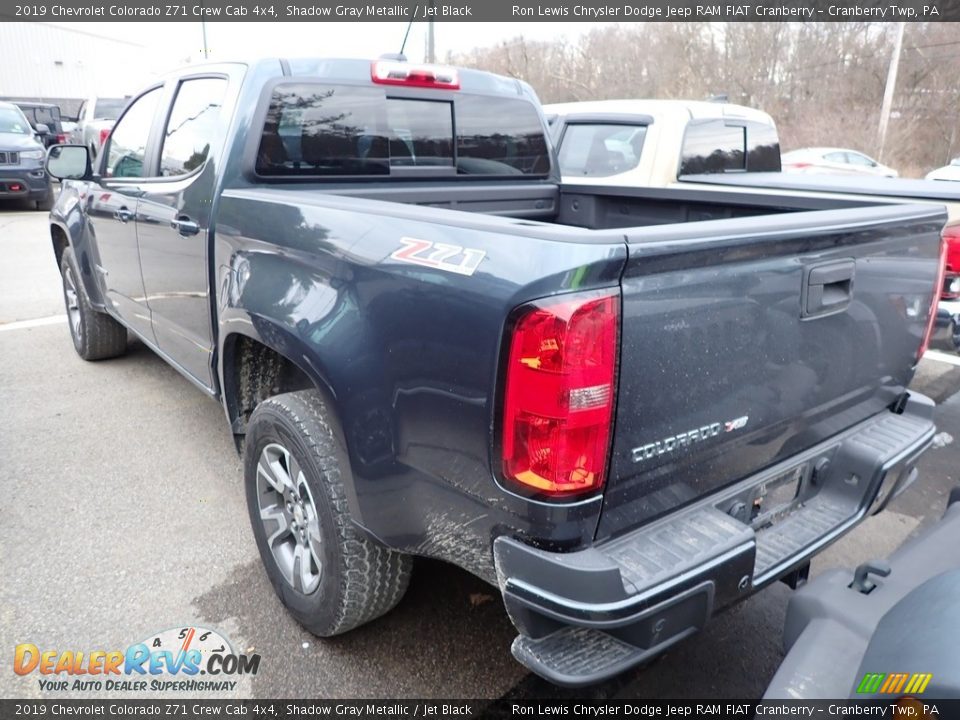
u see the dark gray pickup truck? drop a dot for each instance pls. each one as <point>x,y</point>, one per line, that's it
<point>625,408</point>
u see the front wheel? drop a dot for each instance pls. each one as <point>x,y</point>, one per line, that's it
<point>330,576</point>
<point>95,335</point>
<point>46,204</point>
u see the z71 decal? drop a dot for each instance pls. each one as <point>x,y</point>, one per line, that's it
<point>452,258</point>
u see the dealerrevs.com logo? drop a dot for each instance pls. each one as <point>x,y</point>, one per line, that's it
<point>188,659</point>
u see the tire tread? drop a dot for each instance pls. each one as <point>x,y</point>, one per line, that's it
<point>374,578</point>
<point>103,337</point>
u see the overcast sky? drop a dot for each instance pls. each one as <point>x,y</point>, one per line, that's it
<point>239,40</point>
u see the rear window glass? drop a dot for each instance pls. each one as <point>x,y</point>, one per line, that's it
<point>589,150</point>
<point>330,130</point>
<point>500,136</point>
<point>420,132</point>
<point>763,148</point>
<point>713,147</point>
<point>108,108</point>
<point>716,146</point>
<point>45,115</point>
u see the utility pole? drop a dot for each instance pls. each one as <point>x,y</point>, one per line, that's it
<point>431,48</point>
<point>888,90</point>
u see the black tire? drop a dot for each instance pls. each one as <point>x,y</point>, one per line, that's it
<point>46,205</point>
<point>358,579</point>
<point>96,335</point>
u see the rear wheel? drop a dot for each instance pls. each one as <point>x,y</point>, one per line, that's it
<point>330,576</point>
<point>96,335</point>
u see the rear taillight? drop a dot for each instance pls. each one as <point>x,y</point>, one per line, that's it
<point>104,134</point>
<point>951,283</point>
<point>932,317</point>
<point>391,72</point>
<point>560,391</point>
<point>61,139</point>
<point>951,287</point>
<point>798,165</point>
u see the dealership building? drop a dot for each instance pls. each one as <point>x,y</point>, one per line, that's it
<point>65,65</point>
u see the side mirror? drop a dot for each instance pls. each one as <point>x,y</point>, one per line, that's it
<point>43,129</point>
<point>69,162</point>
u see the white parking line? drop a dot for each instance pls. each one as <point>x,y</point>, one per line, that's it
<point>929,355</point>
<point>39,322</point>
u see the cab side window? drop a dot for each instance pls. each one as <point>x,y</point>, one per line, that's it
<point>194,124</point>
<point>127,143</point>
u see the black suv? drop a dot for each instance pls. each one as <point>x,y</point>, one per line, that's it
<point>44,114</point>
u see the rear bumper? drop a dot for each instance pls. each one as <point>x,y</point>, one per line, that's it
<point>586,616</point>
<point>946,332</point>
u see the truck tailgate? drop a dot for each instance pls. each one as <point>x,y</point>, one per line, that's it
<point>745,342</point>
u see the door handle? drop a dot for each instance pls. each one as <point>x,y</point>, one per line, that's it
<point>185,226</point>
<point>828,288</point>
<point>123,214</point>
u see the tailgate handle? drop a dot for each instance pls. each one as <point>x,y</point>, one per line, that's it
<point>828,288</point>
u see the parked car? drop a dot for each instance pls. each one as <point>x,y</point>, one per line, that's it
<point>649,143</point>
<point>625,408</point>
<point>946,334</point>
<point>94,120</point>
<point>947,172</point>
<point>22,176</point>
<point>834,161</point>
<point>44,114</point>
<point>849,631</point>
<point>688,145</point>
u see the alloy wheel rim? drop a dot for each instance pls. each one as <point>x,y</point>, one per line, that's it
<point>73,305</point>
<point>289,517</point>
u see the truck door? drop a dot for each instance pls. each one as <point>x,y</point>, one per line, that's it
<point>112,211</point>
<point>173,220</point>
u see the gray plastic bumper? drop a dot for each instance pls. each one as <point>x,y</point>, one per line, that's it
<point>586,616</point>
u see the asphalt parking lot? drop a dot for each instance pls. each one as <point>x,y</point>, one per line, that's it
<point>124,515</point>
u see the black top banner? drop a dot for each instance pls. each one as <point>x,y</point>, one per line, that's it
<point>908,708</point>
<point>484,10</point>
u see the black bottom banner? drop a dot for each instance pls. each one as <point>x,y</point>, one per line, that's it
<point>907,707</point>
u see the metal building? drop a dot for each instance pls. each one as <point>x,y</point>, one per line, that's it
<point>54,63</point>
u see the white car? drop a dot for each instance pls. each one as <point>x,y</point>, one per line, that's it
<point>947,172</point>
<point>834,161</point>
<point>95,120</point>
<point>650,143</point>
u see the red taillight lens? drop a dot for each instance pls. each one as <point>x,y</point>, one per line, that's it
<point>951,236</point>
<point>798,165</point>
<point>104,134</point>
<point>390,72</point>
<point>932,317</point>
<point>61,139</point>
<point>560,391</point>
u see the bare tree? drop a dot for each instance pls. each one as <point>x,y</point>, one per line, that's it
<point>822,82</point>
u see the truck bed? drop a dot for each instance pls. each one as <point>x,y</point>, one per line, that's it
<point>713,325</point>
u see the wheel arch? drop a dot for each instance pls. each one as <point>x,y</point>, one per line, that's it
<point>60,240</point>
<point>255,366</point>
